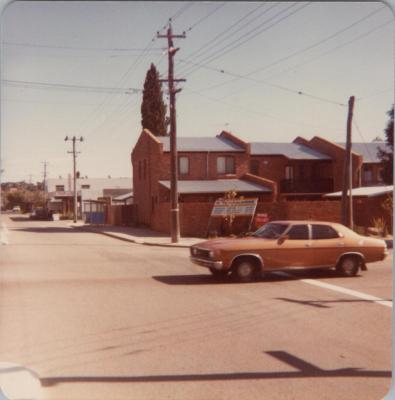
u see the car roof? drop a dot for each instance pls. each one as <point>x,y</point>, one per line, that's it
<point>298,222</point>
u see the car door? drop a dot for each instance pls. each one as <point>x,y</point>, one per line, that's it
<point>295,250</point>
<point>327,245</point>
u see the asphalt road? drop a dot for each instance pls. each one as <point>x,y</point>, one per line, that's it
<point>85,316</point>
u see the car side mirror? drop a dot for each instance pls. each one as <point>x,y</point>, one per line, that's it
<point>282,239</point>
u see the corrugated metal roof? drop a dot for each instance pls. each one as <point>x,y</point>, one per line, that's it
<point>217,186</point>
<point>123,197</point>
<point>200,144</point>
<point>368,191</point>
<point>293,151</point>
<point>368,150</point>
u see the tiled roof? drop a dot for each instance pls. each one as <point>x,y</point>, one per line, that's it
<point>201,144</point>
<point>368,191</point>
<point>368,150</point>
<point>217,186</point>
<point>293,151</point>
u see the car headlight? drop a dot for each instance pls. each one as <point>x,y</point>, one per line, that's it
<point>193,251</point>
<point>211,254</point>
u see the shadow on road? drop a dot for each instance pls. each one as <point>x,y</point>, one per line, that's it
<point>20,219</point>
<point>268,277</point>
<point>54,229</point>
<point>303,368</point>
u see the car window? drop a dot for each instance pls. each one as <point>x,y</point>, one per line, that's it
<point>298,232</point>
<point>324,232</point>
<point>271,231</point>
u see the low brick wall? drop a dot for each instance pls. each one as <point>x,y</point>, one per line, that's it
<point>195,216</point>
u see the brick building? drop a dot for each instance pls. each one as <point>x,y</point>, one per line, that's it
<point>303,170</point>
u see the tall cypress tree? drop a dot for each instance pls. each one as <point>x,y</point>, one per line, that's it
<point>387,155</point>
<point>153,109</point>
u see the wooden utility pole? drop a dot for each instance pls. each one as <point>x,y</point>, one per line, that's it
<point>347,206</point>
<point>74,152</point>
<point>175,219</point>
<point>45,186</point>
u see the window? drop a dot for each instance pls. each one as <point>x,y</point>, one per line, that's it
<point>183,163</point>
<point>324,232</point>
<point>254,167</point>
<point>59,188</point>
<point>367,174</point>
<point>301,171</point>
<point>85,186</point>
<point>289,172</point>
<point>225,165</point>
<point>270,231</point>
<point>299,232</point>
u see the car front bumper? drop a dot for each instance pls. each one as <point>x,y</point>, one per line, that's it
<point>218,265</point>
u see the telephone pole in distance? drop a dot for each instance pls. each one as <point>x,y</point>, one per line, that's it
<point>175,219</point>
<point>347,206</point>
<point>74,152</point>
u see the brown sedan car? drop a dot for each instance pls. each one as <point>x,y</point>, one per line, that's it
<point>281,245</point>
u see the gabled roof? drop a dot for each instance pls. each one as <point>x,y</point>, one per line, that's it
<point>217,186</point>
<point>368,150</point>
<point>196,144</point>
<point>293,151</point>
<point>366,191</point>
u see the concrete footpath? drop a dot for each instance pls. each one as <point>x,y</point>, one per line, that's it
<point>137,235</point>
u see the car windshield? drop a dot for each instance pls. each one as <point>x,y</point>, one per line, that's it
<point>270,231</point>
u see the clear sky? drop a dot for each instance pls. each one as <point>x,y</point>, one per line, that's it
<point>266,71</point>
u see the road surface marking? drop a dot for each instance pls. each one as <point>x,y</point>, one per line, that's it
<point>3,234</point>
<point>341,289</point>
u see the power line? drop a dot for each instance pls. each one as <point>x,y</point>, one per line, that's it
<point>249,110</point>
<point>304,50</point>
<point>332,49</point>
<point>280,87</point>
<point>212,42</point>
<point>250,35</point>
<point>106,49</point>
<point>205,17</point>
<point>62,86</point>
<point>316,43</point>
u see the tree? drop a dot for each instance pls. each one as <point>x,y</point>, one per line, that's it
<point>387,155</point>
<point>153,109</point>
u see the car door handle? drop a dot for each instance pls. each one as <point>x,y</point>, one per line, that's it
<point>307,245</point>
<point>340,245</point>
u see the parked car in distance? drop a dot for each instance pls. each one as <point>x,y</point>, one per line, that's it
<point>16,210</point>
<point>281,245</point>
<point>40,213</point>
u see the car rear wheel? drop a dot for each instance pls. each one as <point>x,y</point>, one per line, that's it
<point>349,265</point>
<point>244,270</point>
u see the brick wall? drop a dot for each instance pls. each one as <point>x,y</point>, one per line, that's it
<point>337,153</point>
<point>195,216</point>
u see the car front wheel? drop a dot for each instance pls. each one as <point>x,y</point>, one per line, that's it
<point>244,270</point>
<point>348,266</point>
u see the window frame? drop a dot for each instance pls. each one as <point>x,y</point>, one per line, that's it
<point>293,226</point>
<point>180,158</point>
<point>227,171</point>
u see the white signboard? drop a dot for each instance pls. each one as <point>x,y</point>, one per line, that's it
<point>236,207</point>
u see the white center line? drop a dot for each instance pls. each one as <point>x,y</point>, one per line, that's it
<point>341,289</point>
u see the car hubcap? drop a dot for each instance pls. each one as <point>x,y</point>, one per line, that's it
<point>245,270</point>
<point>348,265</point>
